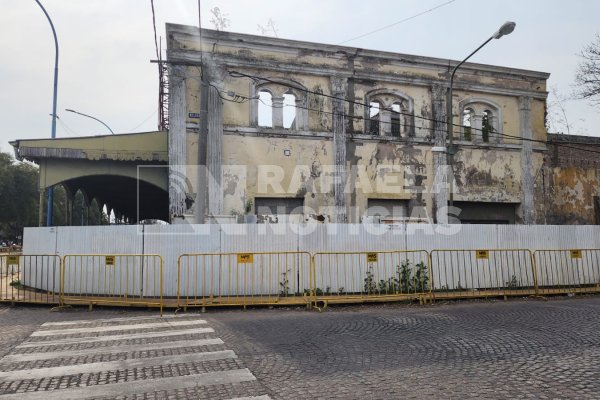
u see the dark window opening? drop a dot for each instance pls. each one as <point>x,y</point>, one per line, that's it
<point>396,120</point>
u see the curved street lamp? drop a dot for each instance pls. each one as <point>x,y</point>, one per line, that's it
<point>504,30</point>
<point>89,116</point>
<point>53,132</point>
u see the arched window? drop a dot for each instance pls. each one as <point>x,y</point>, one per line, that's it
<point>374,118</point>
<point>481,120</point>
<point>467,123</point>
<point>265,109</point>
<point>278,103</point>
<point>289,111</point>
<point>390,113</point>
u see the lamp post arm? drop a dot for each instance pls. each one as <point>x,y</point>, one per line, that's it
<point>94,118</point>
<point>450,132</point>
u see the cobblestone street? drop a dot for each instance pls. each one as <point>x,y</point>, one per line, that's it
<point>513,349</point>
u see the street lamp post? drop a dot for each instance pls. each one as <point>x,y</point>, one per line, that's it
<point>89,116</point>
<point>505,29</point>
<point>53,132</point>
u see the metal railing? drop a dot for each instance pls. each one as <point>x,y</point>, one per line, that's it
<point>27,278</point>
<point>482,273</point>
<point>297,278</point>
<point>112,279</point>
<point>346,277</point>
<point>568,271</point>
<point>243,279</point>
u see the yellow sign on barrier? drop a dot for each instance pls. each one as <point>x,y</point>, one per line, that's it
<point>12,260</point>
<point>245,258</point>
<point>109,260</point>
<point>576,254</point>
<point>482,254</point>
<point>371,257</point>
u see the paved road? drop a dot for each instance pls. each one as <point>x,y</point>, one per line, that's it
<point>515,349</point>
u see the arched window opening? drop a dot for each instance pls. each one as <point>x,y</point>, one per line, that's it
<point>289,111</point>
<point>486,125</point>
<point>374,117</point>
<point>396,120</point>
<point>265,109</point>
<point>467,123</point>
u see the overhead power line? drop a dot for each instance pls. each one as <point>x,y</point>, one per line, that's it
<point>398,22</point>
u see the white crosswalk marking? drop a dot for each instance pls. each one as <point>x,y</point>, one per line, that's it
<point>176,359</point>
<point>110,338</point>
<point>112,349</point>
<point>116,328</point>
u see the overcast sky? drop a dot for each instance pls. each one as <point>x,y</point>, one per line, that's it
<point>106,47</point>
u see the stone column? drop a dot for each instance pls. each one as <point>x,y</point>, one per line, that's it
<point>385,122</point>
<point>440,161</point>
<point>339,86</point>
<point>177,141</point>
<point>214,148</point>
<point>277,111</point>
<point>527,206</point>
<point>476,125</point>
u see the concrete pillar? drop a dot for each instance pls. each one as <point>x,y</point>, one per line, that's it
<point>214,155</point>
<point>385,122</point>
<point>177,141</point>
<point>476,125</point>
<point>277,111</point>
<point>527,173</point>
<point>339,86</point>
<point>440,162</point>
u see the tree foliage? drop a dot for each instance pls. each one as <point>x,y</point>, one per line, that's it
<point>587,77</point>
<point>19,196</point>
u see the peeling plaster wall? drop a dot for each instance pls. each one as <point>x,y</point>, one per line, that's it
<point>572,180</point>
<point>485,172</point>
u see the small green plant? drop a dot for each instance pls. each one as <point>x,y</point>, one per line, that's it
<point>404,276</point>
<point>370,286</point>
<point>284,285</point>
<point>16,284</point>
<point>341,290</point>
<point>512,284</point>
<point>421,280</point>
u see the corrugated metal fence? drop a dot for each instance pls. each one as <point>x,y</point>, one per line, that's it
<point>332,262</point>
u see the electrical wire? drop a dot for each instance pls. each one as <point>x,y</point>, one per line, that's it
<point>255,78</point>
<point>398,22</point>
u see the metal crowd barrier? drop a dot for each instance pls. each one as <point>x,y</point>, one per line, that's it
<point>568,271</point>
<point>28,278</point>
<point>243,279</point>
<point>352,277</point>
<point>482,273</point>
<point>112,279</point>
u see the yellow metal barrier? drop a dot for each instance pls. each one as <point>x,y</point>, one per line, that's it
<point>482,273</point>
<point>353,277</point>
<point>243,279</point>
<point>113,279</point>
<point>568,271</point>
<point>27,278</point>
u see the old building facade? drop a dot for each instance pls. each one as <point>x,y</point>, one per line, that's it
<point>331,133</point>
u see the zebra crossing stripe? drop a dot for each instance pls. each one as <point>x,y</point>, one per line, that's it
<point>109,350</point>
<point>139,386</point>
<point>116,328</point>
<point>105,320</point>
<point>110,338</point>
<point>39,373</point>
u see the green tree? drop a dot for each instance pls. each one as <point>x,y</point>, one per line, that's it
<point>19,196</point>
